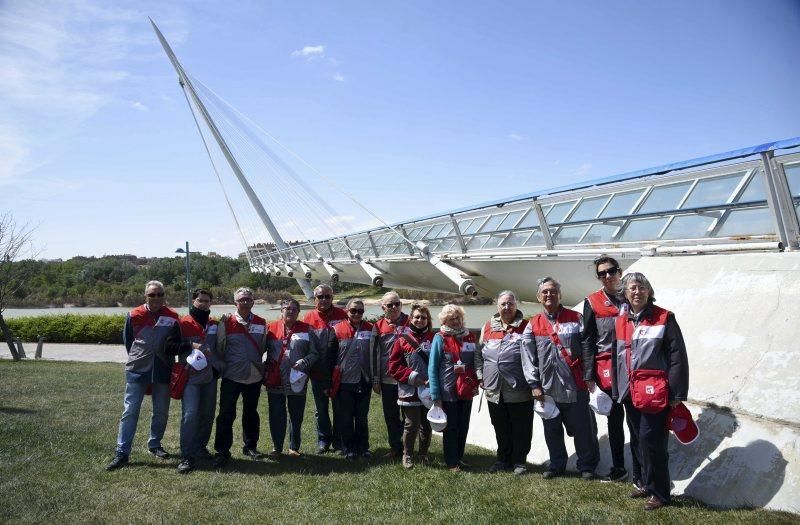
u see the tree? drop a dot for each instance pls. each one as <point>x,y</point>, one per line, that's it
<point>16,244</point>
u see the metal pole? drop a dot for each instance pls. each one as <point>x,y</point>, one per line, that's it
<point>188,279</point>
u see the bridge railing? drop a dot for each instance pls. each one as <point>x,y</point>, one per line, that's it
<point>742,202</point>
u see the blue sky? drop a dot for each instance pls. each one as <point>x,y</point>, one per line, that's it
<point>413,107</point>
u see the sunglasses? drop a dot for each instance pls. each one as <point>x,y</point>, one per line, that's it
<point>610,272</point>
<point>159,294</point>
<point>324,296</point>
<point>396,304</point>
<point>356,311</point>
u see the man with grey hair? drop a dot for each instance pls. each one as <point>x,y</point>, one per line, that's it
<point>152,339</point>
<point>241,342</point>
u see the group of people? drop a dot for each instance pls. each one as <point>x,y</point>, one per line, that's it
<point>549,364</point>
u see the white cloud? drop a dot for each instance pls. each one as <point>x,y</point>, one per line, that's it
<point>141,107</point>
<point>338,77</point>
<point>517,137</point>
<point>310,52</point>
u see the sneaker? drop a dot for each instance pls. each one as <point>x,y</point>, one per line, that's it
<point>366,455</point>
<point>550,474</point>
<point>119,460</point>
<point>159,452</point>
<point>294,453</point>
<point>185,466</point>
<point>275,454</point>
<point>220,460</point>
<point>615,474</point>
<point>498,466</point>
<point>407,463</point>
<point>588,475</point>
<point>520,470</point>
<point>424,459</point>
<point>323,447</point>
<point>252,453</point>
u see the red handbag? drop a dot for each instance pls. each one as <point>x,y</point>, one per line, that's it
<point>649,388</point>
<point>272,369</point>
<point>336,381</point>
<point>177,380</point>
<point>602,370</point>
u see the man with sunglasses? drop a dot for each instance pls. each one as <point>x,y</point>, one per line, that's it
<point>323,320</point>
<point>393,323</point>
<point>152,339</point>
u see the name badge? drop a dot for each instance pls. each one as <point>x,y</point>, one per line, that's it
<point>165,321</point>
<point>212,330</point>
<point>257,328</point>
<point>361,336</point>
<point>426,345</point>
<point>468,347</point>
<point>303,336</point>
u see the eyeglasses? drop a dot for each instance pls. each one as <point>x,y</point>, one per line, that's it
<point>420,317</point>
<point>290,309</point>
<point>396,304</point>
<point>356,311</point>
<point>610,272</point>
<point>245,300</point>
<point>549,292</point>
<point>324,296</point>
<point>159,294</point>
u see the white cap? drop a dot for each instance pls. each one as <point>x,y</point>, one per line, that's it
<point>424,395</point>
<point>437,419</point>
<point>600,402</point>
<point>197,360</point>
<point>297,380</point>
<point>546,409</point>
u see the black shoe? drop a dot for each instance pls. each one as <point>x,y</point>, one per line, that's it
<point>615,474</point>
<point>366,455</point>
<point>119,460</point>
<point>204,453</point>
<point>185,466</point>
<point>252,453</point>
<point>159,452</point>
<point>499,466</point>
<point>220,460</point>
<point>550,474</point>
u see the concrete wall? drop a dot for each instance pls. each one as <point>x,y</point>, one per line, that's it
<point>740,317</point>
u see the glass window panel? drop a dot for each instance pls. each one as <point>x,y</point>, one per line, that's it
<point>400,249</point>
<point>755,221</point>
<point>530,220</point>
<point>494,241</point>
<point>755,189</point>
<point>688,227</point>
<point>793,176</point>
<point>589,208</point>
<point>664,198</point>
<point>415,234</point>
<point>463,224</point>
<point>601,232</point>
<point>447,245</point>
<point>395,239</point>
<point>473,227</point>
<point>516,239</point>
<point>643,230</point>
<point>367,250</point>
<point>476,242</point>
<point>510,220</point>
<point>493,222</point>
<point>380,239</point>
<point>621,204</point>
<point>448,230</point>
<point>559,212</point>
<point>537,239</point>
<point>713,191</point>
<point>435,231</point>
<point>357,242</point>
<point>569,234</point>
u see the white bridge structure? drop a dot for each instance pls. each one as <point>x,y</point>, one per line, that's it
<point>718,237</point>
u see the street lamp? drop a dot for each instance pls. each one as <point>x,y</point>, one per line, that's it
<point>188,279</point>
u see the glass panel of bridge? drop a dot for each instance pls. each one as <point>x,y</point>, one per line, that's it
<point>569,234</point>
<point>446,245</point>
<point>477,242</point>
<point>463,224</point>
<point>793,177</point>
<point>755,188</point>
<point>588,208</point>
<point>559,212</point>
<point>511,220</point>
<point>688,227</point>
<point>621,204</point>
<point>340,250</point>
<point>516,239</point>
<point>717,190</point>
<point>643,230</point>
<point>601,232</point>
<point>473,226</point>
<point>415,234</point>
<point>495,240</point>
<point>536,239</point>
<point>664,198</point>
<point>530,220</point>
<point>493,222</point>
<point>436,231</point>
<point>754,221</point>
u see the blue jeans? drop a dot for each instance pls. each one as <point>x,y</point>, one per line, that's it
<point>578,421</point>
<point>327,433</point>
<point>454,437</point>
<point>197,416</point>
<point>134,394</point>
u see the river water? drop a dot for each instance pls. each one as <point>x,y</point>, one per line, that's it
<point>477,315</point>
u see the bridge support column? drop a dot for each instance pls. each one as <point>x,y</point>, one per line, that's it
<point>306,270</point>
<point>332,271</point>
<point>374,273</point>
<point>464,283</point>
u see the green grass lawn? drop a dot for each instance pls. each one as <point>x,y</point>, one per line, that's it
<point>58,425</point>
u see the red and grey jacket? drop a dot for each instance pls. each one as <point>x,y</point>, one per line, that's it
<point>323,330</point>
<point>243,347</point>
<point>501,356</point>
<point>300,347</point>
<point>353,353</point>
<point>146,337</point>
<point>409,361</point>
<point>194,332</point>
<point>386,333</point>
<point>656,344</point>
<point>551,372</point>
<point>599,315</point>
<point>443,349</point>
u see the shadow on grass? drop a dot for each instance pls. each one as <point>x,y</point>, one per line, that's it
<point>14,410</point>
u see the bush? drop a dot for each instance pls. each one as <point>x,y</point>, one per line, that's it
<point>70,328</point>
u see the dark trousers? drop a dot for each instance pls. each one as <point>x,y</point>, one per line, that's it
<point>415,423</point>
<point>513,429</point>
<point>616,441</point>
<point>228,397</point>
<point>391,415</point>
<point>351,416</point>
<point>578,420</point>
<point>652,434</point>
<point>454,437</point>
<point>326,427</point>
<point>278,405</point>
